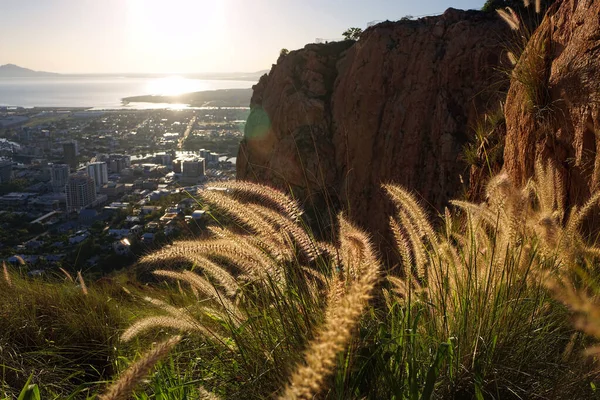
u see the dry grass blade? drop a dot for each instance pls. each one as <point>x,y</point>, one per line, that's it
<point>174,311</point>
<point>123,388</point>
<point>84,288</point>
<point>67,274</point>
<point>6,274</point>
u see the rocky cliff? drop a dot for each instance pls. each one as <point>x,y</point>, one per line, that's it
<point>333,121</point>
<point>553,105</point>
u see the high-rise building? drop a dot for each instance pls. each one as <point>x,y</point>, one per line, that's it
<point>192,170</point>
<point>98,171</point>
<point>118,162</point>
<point>81,192</point>
<point>70,154</point>
<point>5,171</point>
<point>59,176</point>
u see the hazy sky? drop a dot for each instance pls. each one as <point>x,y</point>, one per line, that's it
<point>182,35</point>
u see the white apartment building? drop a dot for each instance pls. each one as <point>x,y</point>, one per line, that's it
<point>98,171</point>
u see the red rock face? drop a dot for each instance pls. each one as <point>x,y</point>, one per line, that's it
<point>396,106</point>
<point>287,141</point>
<point>403,107</point>
<point>564,128</point>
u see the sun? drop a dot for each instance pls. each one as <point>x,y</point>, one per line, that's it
<point>171,36</point>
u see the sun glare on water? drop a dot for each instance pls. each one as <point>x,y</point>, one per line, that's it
<point>174,86</point>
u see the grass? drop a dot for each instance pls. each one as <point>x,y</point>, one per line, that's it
<point>478,308</point>
<point>529,55</point>
<point>486,149</point>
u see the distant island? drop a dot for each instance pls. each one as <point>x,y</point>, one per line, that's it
<point>208,98</point>
<point>14,71</point>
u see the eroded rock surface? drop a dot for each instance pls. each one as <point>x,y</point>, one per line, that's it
<point>396,106</point>
<point>561,122</point>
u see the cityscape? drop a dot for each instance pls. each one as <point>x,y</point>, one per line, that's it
<point>96,189</point>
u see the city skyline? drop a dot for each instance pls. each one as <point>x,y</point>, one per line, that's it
<point>182,36</point>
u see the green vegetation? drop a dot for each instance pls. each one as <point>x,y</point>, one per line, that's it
<point>486,148</point>
<point>529,58</point>
<point>493,5</point>
<point>265,310</point>
<point>352,33</point>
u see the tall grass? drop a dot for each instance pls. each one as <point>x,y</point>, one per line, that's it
<point>275,291</point>
<point>469,313</point>
<point>54,333</point>
<point>481,305</point>
<point>470,316</point>
<point>529,55</point>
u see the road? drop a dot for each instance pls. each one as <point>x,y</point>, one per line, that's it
<point>187,132</point>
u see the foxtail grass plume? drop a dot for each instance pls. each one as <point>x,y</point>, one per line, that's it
<point>262,194</point>
<point>204,394</point>
<point>84,288</point>
<point>342,315</point>
<point>6,274</point>
<point>123,388</point>
<point>510,17</point>
<point>204,287</point>
<point>178,319</point>
<point>66,273</point>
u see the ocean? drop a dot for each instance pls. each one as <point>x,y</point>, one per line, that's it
<point>102,91</point>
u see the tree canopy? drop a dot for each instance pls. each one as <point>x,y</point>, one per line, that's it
<point>352,33</point>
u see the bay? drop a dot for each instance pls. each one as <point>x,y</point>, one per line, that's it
<point>102,91</point>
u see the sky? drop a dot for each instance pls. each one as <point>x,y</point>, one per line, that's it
<point>182,36</point>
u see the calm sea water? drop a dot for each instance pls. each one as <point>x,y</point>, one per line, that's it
<point>100,92</point>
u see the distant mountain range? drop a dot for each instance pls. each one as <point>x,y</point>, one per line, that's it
<point>15,71</point>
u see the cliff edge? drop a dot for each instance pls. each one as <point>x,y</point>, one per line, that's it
<point>332,122</point>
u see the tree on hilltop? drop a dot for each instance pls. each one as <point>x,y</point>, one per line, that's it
<point>352,33</point>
